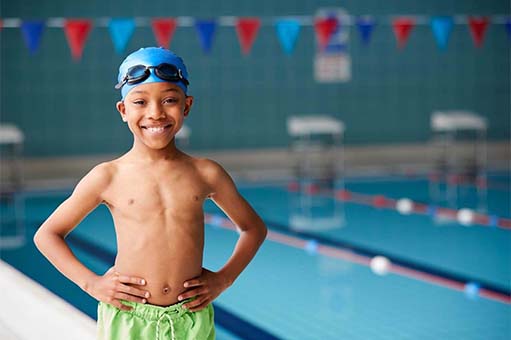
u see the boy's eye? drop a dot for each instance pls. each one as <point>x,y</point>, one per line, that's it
<point>170,100</point>
<point>138,102</point>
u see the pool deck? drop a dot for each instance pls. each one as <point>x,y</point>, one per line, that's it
<point>30,311</point>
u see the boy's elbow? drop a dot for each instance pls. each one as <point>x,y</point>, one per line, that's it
<point>264,231</point>
<point>37,239</point>
<point>40,238</point>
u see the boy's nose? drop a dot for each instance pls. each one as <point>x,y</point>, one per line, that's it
<point>156,112</point>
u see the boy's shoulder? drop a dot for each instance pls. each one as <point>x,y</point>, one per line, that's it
<point>102,173</point>
<point>212,172</point>
<point>106,168</point>
<point>95,181</point>
<point>207,167</point>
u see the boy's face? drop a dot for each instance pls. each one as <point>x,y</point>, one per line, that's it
<point>155,112</point>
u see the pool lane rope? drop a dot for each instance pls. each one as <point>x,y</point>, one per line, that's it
<point>406,206</point>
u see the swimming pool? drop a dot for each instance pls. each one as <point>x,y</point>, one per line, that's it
<point>311,278</point>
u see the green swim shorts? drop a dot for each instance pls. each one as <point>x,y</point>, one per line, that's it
<point>151,322</point>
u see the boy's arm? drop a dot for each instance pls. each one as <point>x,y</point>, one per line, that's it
<point>252,234</point>
<point>49,238</point>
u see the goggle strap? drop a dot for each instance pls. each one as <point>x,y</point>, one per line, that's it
<point>122,83</point>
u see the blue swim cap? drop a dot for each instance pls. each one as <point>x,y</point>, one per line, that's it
<point>151,56</point>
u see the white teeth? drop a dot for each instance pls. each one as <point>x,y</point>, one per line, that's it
<point>156,129</point>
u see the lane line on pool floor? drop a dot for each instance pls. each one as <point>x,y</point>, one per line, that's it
<point>397,266</point>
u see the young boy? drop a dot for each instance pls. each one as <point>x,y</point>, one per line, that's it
<point>157,288</point>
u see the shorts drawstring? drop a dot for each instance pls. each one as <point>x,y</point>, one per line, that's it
<point>171,326</point>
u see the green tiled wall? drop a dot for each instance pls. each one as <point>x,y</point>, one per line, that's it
<point>68,107</point>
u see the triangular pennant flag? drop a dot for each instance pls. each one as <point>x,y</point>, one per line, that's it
<point>121,31</point>
<point>402,28</point>
<point>164,30</point>
<point>32,31</point>
<point>206,30</point>
<point>365,27</point>
<point>324,29</point>
<point>287,31</point>
<point>76,34</point>
<point>441,27</point>
<point>246,29</point>
<point>1,24</point>
<point>508,27</point>
<point>477,29</point>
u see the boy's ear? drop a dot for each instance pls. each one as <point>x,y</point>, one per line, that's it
<point>188,105</point>
<point>122,110</point>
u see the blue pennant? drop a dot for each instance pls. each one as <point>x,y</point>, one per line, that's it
<point>287,31</point>
<point>508,27</point>
<point>121,31</point>
<point>442,27</point>
<point>206,30</point>
<point>32,32</point>
<point>365,27</point>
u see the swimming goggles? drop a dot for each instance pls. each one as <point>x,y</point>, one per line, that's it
<point>138,73</point>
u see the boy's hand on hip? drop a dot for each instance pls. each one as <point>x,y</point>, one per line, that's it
<point>205,288</point>
<point>112,287</point>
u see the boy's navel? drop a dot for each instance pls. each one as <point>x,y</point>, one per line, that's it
<point>166,289</point>
<point>131,201</point>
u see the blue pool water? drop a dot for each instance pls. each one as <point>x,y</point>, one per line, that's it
<point>290,293</point>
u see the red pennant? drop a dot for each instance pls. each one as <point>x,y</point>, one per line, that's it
<point>402,28</point>
<point>324,29</point>
<point>76,33</point>
<point>164,30</point>
<point>477,29</point>
<point>246,29</point>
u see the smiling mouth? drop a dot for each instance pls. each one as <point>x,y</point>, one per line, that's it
<point>156,129</point>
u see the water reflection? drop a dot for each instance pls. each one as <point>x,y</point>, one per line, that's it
<point>311,208</point>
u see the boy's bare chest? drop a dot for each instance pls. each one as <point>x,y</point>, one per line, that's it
<point>156,194</point>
